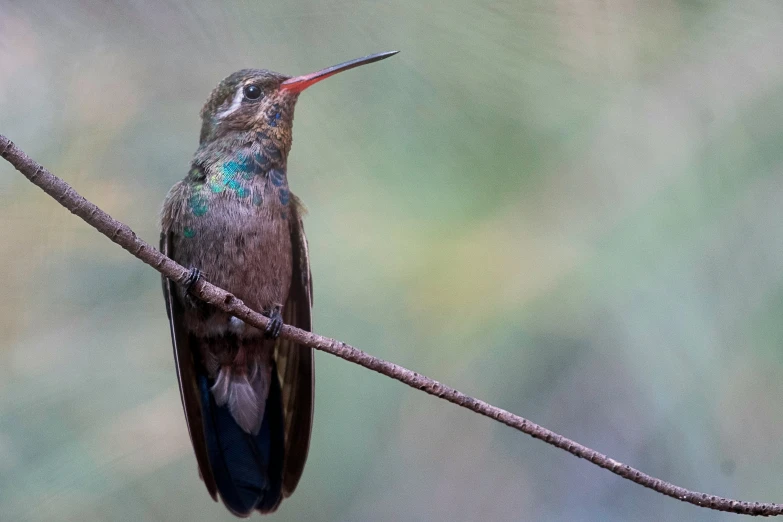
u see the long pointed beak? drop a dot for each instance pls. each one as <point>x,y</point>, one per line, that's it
<point>300,83</point>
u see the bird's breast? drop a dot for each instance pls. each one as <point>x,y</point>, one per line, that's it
<point>237,232</point>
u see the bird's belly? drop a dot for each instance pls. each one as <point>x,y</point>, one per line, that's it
<point>244,250</point>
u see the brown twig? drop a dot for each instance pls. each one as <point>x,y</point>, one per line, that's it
<point>126,238</point>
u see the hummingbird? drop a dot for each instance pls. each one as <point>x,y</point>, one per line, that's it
<point>247,394</point>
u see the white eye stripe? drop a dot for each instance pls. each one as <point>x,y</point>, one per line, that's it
<point>234,104</point>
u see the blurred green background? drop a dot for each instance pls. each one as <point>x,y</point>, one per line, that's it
<point>571,209</point>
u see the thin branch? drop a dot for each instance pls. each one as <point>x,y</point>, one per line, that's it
<point>126,238</point>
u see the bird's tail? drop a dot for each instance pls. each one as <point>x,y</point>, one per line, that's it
<point>247,464</point>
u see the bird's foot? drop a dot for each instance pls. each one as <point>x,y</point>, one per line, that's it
<point>194,274</point>
<point>275,325</point>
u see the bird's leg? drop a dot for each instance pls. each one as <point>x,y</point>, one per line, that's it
<point>275,325</point>
<point>194,274</point>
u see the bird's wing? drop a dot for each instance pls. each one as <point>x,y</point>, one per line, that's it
<point>186,373</point>
<point>295,364</point>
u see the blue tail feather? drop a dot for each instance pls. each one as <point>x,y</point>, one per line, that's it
<point>247,468</point>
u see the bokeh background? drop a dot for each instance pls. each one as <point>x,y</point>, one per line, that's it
<point>571,209</point>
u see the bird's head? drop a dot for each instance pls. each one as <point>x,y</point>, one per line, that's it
<point>258,100</point>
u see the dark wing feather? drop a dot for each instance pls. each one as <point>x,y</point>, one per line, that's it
<point>186,374</point>
<point>295,364</point>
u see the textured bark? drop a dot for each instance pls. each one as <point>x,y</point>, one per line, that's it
<point>126,238</point>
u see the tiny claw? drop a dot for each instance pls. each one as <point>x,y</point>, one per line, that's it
<point>275,325</point>
<point>194,274</point>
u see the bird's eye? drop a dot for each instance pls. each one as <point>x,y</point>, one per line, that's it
<point>252,92</point>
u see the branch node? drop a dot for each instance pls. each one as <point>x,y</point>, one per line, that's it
<point>8,145</point>
<point>37,173</point>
